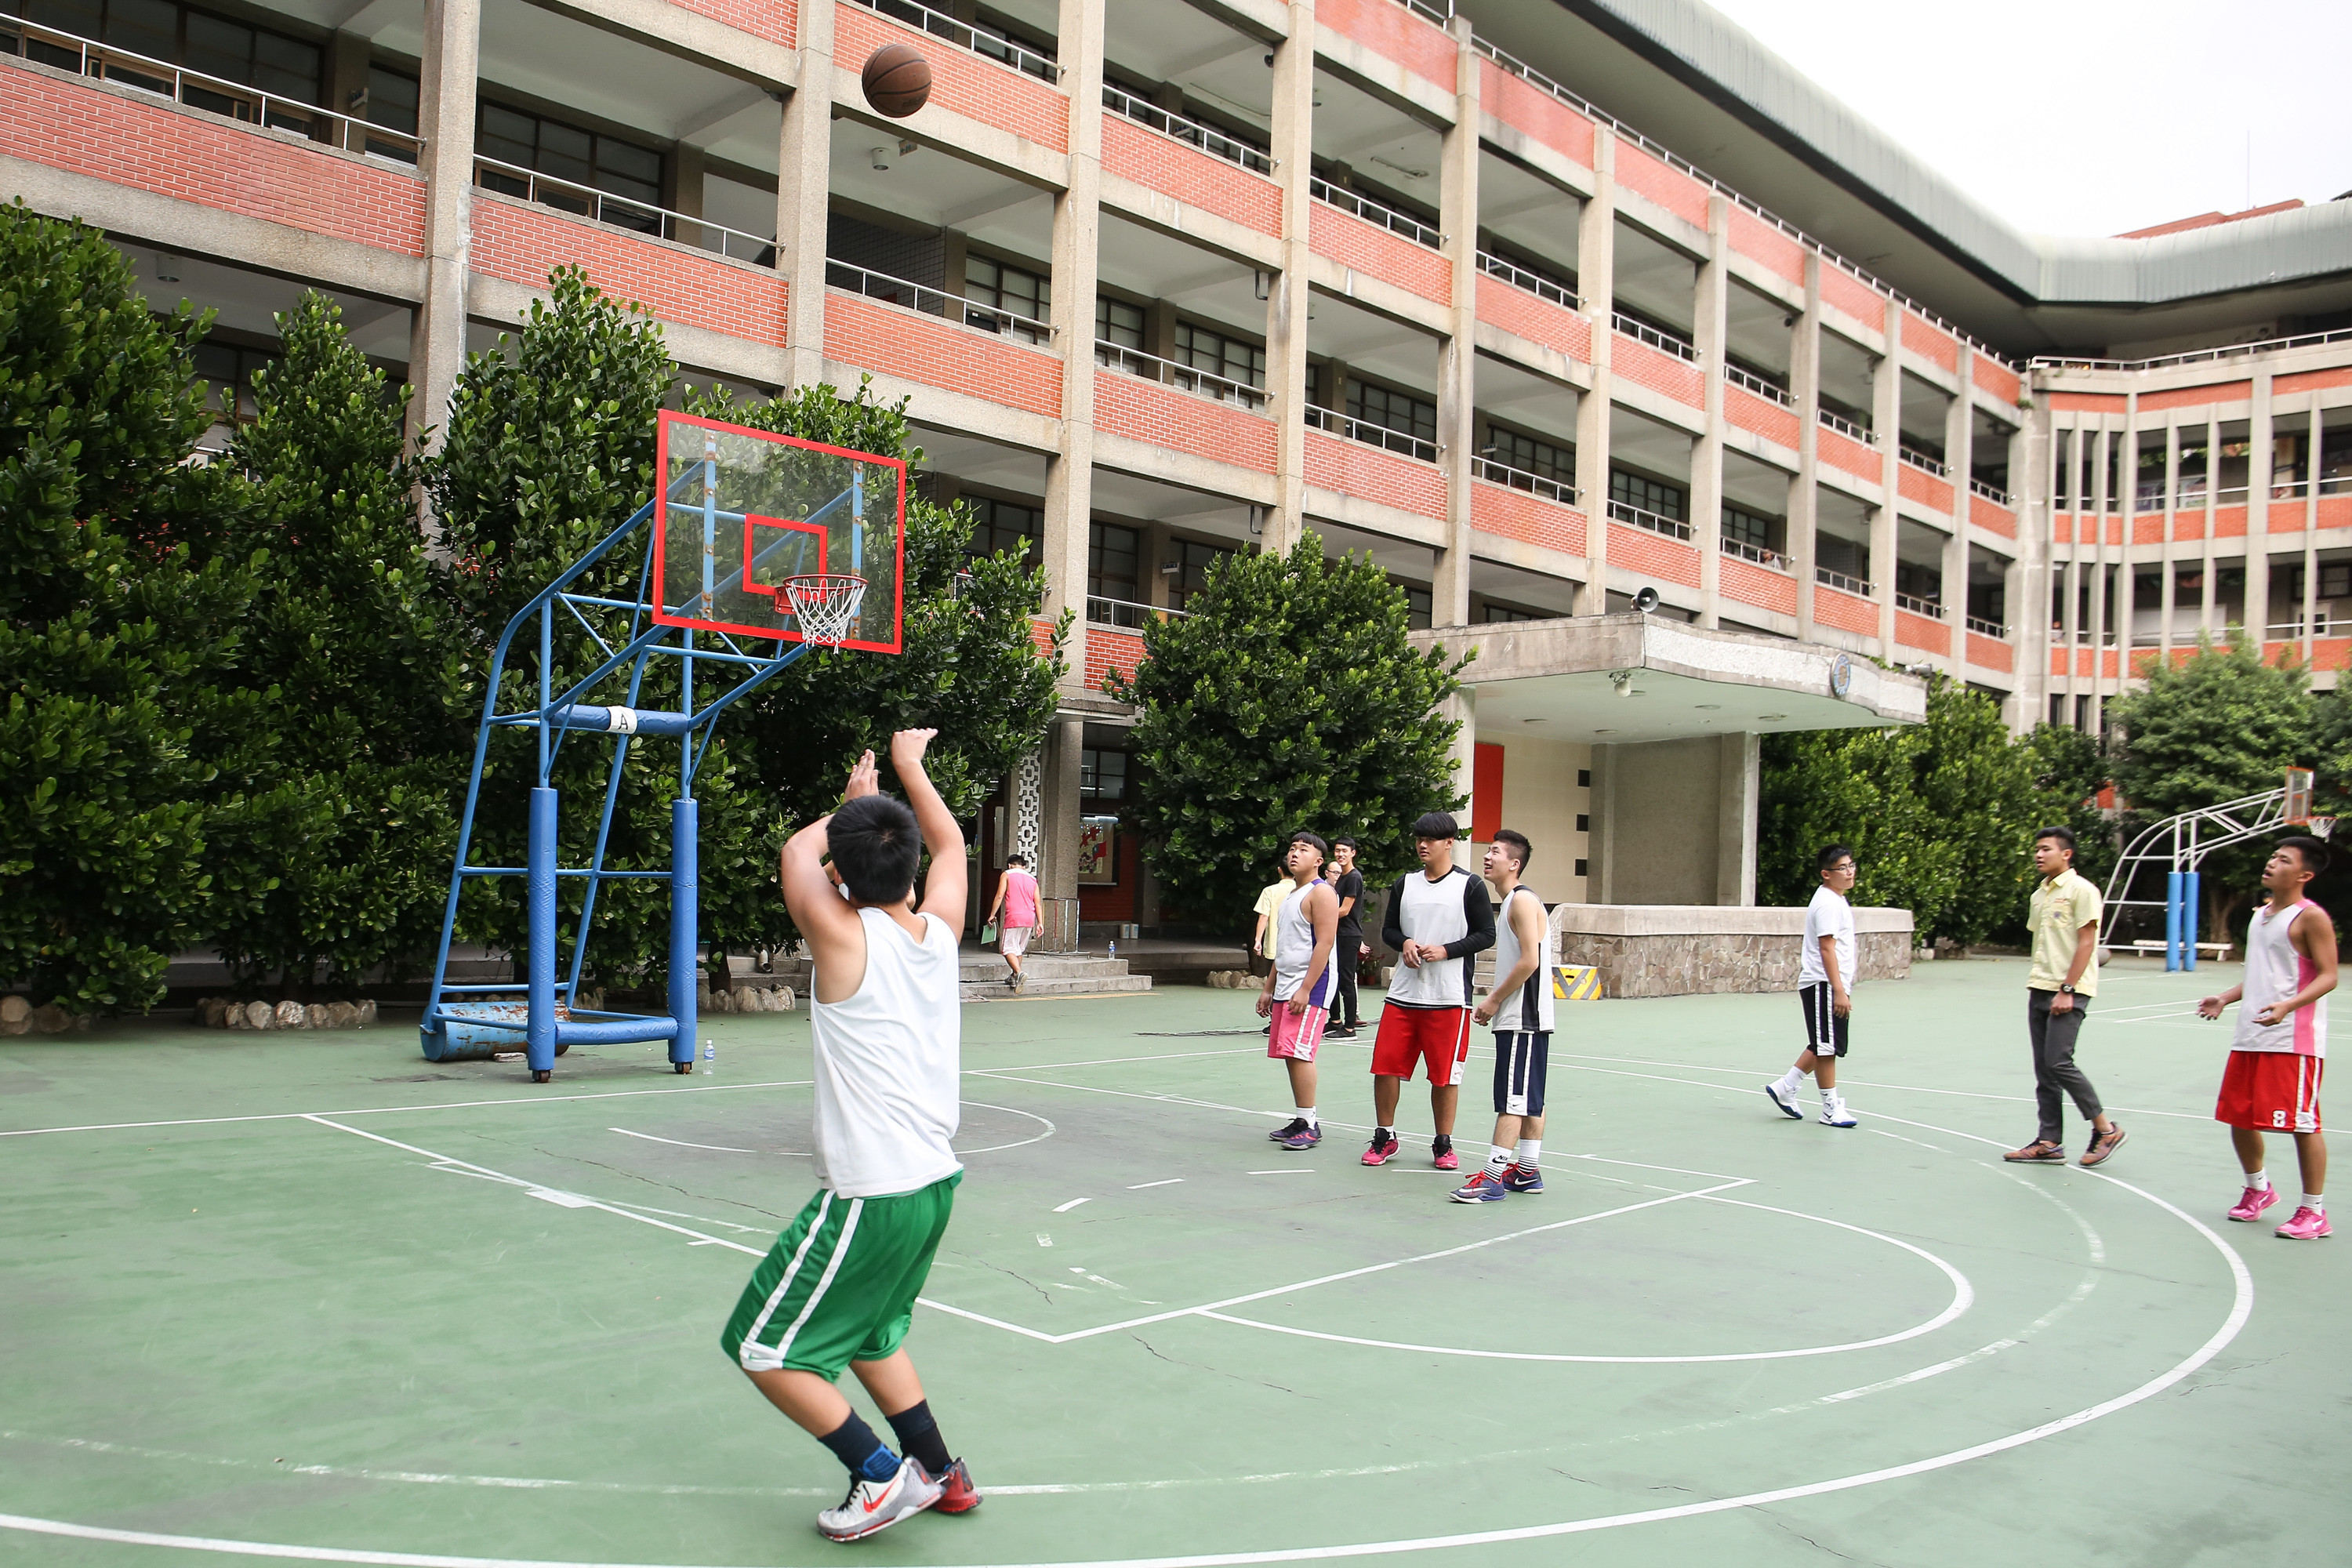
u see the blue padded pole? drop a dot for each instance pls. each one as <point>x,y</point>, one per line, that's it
<point>2188,920</point>
<point>684,893</point>
<point>2171,921</point>
<point>539,897</point>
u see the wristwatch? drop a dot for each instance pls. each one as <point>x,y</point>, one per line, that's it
<point>2064,989</point>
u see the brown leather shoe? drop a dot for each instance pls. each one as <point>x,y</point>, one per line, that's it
<point>2041,1151</point>
<point>2103,1144</point>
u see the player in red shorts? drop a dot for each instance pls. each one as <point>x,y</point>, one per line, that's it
<point>1437,919</point>
<point>2272,1084</point>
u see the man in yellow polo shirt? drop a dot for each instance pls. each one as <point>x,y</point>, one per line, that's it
<point>2064,919</point>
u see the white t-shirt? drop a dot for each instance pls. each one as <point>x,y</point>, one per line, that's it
<point>889,1065</point>
<point>1828,915</point>
<point>1529,1009</point>
<point>2275,971</point>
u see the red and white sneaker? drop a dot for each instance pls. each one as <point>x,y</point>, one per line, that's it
<point>878,1505</point>
<point>2308,1225</point>
<point>957,1494</point>
<point>2256,1199</point>
<point>1445,1159</point>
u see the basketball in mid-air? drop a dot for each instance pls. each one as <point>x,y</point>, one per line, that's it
<point>897,81</point>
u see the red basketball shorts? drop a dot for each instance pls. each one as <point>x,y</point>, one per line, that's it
<point>1438,1036</point>
<point>2271,1091</point>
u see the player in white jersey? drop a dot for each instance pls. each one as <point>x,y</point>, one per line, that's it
<point>1438,920</point>
<point>1520,1008</point>
<point>838,1288</point>
<point>1300,987</point>
<point>2272,1084</point>
<point>1825,975</point>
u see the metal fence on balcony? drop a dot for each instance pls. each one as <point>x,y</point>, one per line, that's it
<point>1997,496</point>
<point>1771,392</point>
<point>1521,479</point>
<point>987,45</point>
<point>1642,333</point>
<point>1983,627</point>
<point>215,95</point>
<point>1377,212</point>
<point>1126,613</point>
<point>1183,378</point>
<point>1845,427</point>
<point>1673,528</point>
<point>619,212</point>
<point>1740,549</point>
<point>1372,435</point>
<point>1535,283</point>
<point>1184,129</point>
<point>1919,607</point>
<point>1926,463</point>
<point>936,302</point>
<point>1843,583</point>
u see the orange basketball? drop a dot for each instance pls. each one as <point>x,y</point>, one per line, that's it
<point>897,81</point>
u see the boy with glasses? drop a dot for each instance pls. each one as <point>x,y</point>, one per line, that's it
<point>1825,987</point>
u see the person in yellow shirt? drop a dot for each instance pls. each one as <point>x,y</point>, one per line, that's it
<point>2065,923</point>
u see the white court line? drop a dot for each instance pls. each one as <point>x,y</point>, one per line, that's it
<point>1856,1082</point>
<point>715,1148</point>
<point>1064,1208</point>
<point>1287,1171</point>
<point>1171,1182</point>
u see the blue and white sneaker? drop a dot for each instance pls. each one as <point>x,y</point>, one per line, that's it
<point>1307,1137</point>
<point>1521,1179</point>
<point>1482,1188</point>
<point>1786,1101</point>
<point>1834,1113</point>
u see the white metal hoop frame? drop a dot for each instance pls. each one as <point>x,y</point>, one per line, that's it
<point>825,603</point>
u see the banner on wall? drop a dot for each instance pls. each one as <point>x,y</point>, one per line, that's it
<point>1098,851</point>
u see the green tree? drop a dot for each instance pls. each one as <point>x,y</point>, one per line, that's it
<point>1289,696</point>
<point>118,624</point>
<point>2070,768</point>
<point>349,832</point>
<point>2221,725</point>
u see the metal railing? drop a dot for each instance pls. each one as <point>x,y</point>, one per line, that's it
<point>1521,479</point>
<point>2319,625</point>
<point>1747,380</point>
<point>1109,611</point>
<point>1535,283</point>
<point>1642,333</point>
<point>1930,608</point>
<point>2198,356</point>
<point>1184,129</point>
<point>987,45</point>
<point>1370,435</point>
<point>1843,583</point>
<point>1438,16</point>
<point>1998,497</point>
<point>1983,627</point>
<point>1742,550</point>
<point>1845,427</point>
<point>1183,378</point>
<point>1626,511</point>
<point>1923,462</point>
<point>215,95</point>
<point>620,212</point>
<point>1372,211</point>
<point>933,301</point>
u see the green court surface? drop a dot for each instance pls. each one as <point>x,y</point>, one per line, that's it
<point>310,1297</point>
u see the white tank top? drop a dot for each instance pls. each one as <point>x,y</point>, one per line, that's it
<point>1294,944</point>
<point>2274,972</point>
<point>889,1065</point>
<point>1528,1010</point>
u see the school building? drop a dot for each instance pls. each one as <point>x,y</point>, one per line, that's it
<point>1541,303</point>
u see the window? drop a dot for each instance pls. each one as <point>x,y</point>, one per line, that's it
<point>1654,496</point>
<point>1214,351</point>
<point>1751,529</point>
<point>1001,43</point>
<point>227,372</point>
<point>1011,289</point>
<point>1584,778</point>
<point>1193,563</point>
<point>1580,868</point>
<point>1503,613</point>
<point>1114,553</point>
<point>576,156</point>
<point>1391,410</point>
<point>273,63</point>
<point>1583,822</point>
<point>1007,527</point>
<point>391,102</point>
<point>1531,456</point>
<point>1418,605</point>
<point>1117,322</point>
<point>1102,775</point>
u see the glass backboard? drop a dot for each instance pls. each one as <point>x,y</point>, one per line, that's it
<point>758,507</point>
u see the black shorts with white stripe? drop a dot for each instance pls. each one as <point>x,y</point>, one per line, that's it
<point>1520,1058</point>
<point>1824,1025</point>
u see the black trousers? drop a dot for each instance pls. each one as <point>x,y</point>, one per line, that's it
<point>2054,1072</point>
<point>1348,940</point>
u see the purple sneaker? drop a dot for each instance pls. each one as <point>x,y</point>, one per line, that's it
<point>1305,1138</point>
<point>1482,1188</point>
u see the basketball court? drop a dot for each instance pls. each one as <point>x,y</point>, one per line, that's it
<point>310,1296</point>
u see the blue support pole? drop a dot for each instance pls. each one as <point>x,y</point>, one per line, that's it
<point>684,893</point>
<point>2188,880</point>
<point>539,898</point>
<point>2171,921</point>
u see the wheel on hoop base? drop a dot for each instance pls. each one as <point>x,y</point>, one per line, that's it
<point>543,1075</point>
<point>682,1067</point>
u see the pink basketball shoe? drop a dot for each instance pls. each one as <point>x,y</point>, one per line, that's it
<point>2308,1225</point>
<point>2256,1199</point>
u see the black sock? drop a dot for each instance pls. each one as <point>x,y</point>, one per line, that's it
<point>918,1434</point>
<point>856,1446</point>
<point>1442,1144</point>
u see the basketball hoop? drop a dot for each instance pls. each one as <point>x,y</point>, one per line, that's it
<point>825,603</point>
<point>2294,810</point>
<point>2321,827</point>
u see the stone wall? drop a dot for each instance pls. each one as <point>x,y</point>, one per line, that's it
<point>1701,950</point>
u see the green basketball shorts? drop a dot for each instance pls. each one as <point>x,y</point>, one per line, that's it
<point>840,1283</point>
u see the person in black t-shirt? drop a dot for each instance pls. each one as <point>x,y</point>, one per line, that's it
<point>1349,884</point>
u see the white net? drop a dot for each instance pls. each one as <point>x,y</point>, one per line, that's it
<point>825,603</point>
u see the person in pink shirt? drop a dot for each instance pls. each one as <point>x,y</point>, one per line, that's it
<point>1016,895</point>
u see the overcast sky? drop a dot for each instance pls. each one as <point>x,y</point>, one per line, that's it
<point>2092,117</point>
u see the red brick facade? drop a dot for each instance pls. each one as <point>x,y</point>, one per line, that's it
<point>1377,252</point>
<point>1534,318</point>
<point>1846,612</point>
<point>1751,413</point>
<point>931,351</point>
<point>1759,241</point>
<point>1530,518</point>
<point>1632,360</point>
<point>1846,292</point>
<point>522,244</point>
<point>1845,453</point>
<point>1351,468</point>
<point>1746,583</point>
<point>1919,485</point>
<point>1923,632</point>
<point>1108,650</point>
<point>2307,381</point>
<point>2229,522</point>
<point>1990,653</point>
<point>1672,189</point>
<point>1991,516</point>
<point>2087,402</point>
<point>1638,551</point>
<point>2194,396</point>
<point>1931,343</point>
<point>961,81</point>
<point>1393,33</point>
<point>1136,152</point>
<point>1522,105</point>
<point>1991,375</point>
<point>1147,411</point>
<point>774,20</point>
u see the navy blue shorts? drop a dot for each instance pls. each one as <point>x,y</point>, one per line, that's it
<point>1519,1062</point>
<point>1824,1029</point>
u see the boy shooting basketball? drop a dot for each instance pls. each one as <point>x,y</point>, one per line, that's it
<point>2272,1084</point>
<point>1438,917</point>
<point>838,1288</point>
<point>1297,997</point>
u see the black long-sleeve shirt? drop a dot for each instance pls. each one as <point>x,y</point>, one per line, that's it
<point>1458,918</point>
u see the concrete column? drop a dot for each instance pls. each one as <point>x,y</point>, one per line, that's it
<point>2205,620</point>
<point>1059,809</point>
<point>1077,228</point>
<point>1708,307</point>
<point>1287,306</point>
<point>1457,378</point>
<point>347,78</point>
<point>1601,842</point>
<point>2169,591</point>
<point>1959,453</point>
<point>1887,415</point>
<point>2258,509</point>
<point>1596,267</point>
<point>1805,392</point>
<point>682,175</point>
<point>2031,465</point>
<point>804,193</point>
<point>1736,775</point>
<point>1464,706</point>
<point>2310,478</point>
<point>444,117</point>
<point>2125,612</point>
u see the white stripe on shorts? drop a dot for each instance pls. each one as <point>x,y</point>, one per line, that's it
<point>824,1281</point>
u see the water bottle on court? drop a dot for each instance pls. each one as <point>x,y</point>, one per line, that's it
<point>710,1057</point>
<point>1114,949</point>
